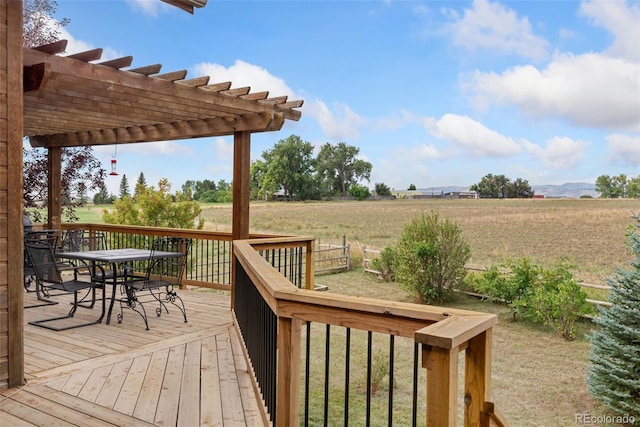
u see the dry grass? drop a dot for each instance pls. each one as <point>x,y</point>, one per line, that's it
<point>538,378</point>
<point>587,232</point>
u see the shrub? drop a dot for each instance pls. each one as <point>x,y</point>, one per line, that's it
<point>558,301</point>
<point>431,258</point>
<point>511,287</point>
<point>384,263</point>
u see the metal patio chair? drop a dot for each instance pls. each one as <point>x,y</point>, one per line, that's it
<point>52,275</point>
<point>159,282</point>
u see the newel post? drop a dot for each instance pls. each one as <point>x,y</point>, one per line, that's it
<point>288,381</point>
<point>442,385</point>
<point>477,379</point>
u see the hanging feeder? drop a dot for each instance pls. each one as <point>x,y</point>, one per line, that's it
<point>113,162</point>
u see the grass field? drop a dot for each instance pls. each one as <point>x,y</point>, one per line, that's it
<point>587,232</point>
<point>538,378</point>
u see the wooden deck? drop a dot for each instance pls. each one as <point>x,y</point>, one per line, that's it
<point>175,374</point>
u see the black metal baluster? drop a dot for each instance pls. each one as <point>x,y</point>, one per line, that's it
<point>391,364</point>
<point>346,377</point>
<point>369,347</point>
<point>327,353</point>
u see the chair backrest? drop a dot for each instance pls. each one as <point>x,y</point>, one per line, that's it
<point>169,269</point>
<point>49,237</point>
<point>80,241</point>
<point>43,261</point>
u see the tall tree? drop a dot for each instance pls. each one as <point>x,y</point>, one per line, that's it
<point>614,374</point>
<point>338,167</point>
<point>124,187</point>
<point>613,187</point>
<point>81,173</point>
<point>141,184</point>
<point>520,189</point>
<point>288,167</point>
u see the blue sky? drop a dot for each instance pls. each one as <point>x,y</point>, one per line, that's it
<point>433,93</point>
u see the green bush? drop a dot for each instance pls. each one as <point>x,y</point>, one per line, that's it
<point>431,258</point>
<point>509,284</point>
<point>384,263</point>
<point>558,301</point>
<point>547,296</point>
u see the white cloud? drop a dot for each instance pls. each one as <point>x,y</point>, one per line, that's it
<point>471,135</point>
<point>158,148</point>
<point>242,74</point>
<point>74,46</point>
<point>396,121</point>
<point>148,7</point>
<point>223,150</point>
<point>589,90</point>
<point>493,27</point>
<point>559,152</point>
<point>621,19</point>
<point>624,149</point>
<point>339,124</point>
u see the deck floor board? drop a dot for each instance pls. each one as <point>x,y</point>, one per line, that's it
<point>176,373</point>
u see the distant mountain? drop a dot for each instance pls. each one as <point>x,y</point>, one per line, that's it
<point>571,190</point>
<point>568,190</point>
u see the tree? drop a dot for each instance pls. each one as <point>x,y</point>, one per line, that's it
<point>412,187</point>
<point>520,189</point>
<point>613,187</point>
<point>141,184</point>
<point>124,187</point>
<point>81,172</point>
<point>431,258</point>
<point>633,187</point>
<point>288,167</point>
<point>358,191</point>
<point>102,197</point>
<point>338,167</point>
<point>155,208</point>
<point>39,25</point>
<point>500,187</point>
<point>614,374</point>
<point>382,189</point>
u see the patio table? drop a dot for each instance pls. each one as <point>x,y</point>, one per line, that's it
<point>116,257</point>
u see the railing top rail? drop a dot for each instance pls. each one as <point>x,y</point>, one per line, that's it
<point>178,232</point>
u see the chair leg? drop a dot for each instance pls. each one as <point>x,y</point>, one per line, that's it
<point>171,296</point>
<point>131,301</point>
<point>44,323</point>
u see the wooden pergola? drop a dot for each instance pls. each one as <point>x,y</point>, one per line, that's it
<point>79,100</point>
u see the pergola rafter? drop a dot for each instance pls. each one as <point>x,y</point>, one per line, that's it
<point>70,101</point>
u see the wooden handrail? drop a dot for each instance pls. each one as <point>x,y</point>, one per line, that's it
<point>443,333</point>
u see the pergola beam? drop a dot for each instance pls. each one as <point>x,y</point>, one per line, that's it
<point>261,122</point>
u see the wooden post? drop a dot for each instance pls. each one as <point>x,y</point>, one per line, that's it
<point>310,265</point>
<point>288,386</point>
<point>442,385</point>
<point>477,379</point>
<point>241,185</point>
<point>11,197</point>
<point>241,193</point>
<point>54,191</point>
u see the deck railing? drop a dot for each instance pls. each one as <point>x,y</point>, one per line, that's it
<point>275,318</point>
<point>209,262</point>
<point>284,323</point>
